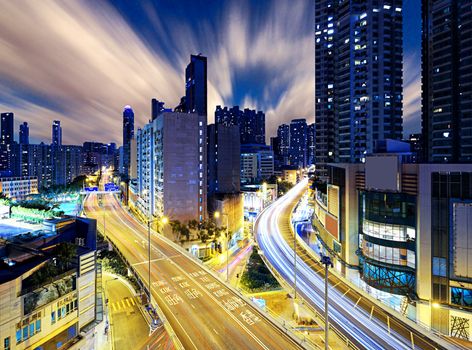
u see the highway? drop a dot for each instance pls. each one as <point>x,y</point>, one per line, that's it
<point>202,311</point>
<point>275,239</point>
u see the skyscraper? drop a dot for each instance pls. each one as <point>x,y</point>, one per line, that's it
<point>283,134</point>
<point>24,134</point>
<point>171,166</point>
<point>6,143</point>
<point>7,128</point>
<point>223,159</point>
<point>128,134</point>
<point>358,74</point>
<point>447,81</point>
<point>311,132</point>
<point>251,123</point>
<point>196,85</point>
<point>56,133</point>
<point>298,143</point>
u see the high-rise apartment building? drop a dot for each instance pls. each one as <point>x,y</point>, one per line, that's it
<point>24,134</point>
<point>6,143</point>
<point>311,144</point>
<point>223,159</point>
<point>172,169</point>
<point>283,134</point>
<point>358,74</point>
<point>128,134</point>
<point>56,133</point>
<point>251,123</point>
<point>447,81</point>
<point>196,85</point>
<point>298,143</point>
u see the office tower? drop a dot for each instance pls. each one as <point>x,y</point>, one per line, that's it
<point>128,134</point>
<point>223,149</point>
<point>157,107</point>
<point>172,169</point>
<point>358,75</point>
<point>56,133</point>
<point>311,132</point>
<point>298,143</point>
<point>196,85</point>
<point>73,160</point>
<point>227,116</point>
<point>6,143</point>
<point>24,134</point>
<point>283,134</point>
<point>447,81</point>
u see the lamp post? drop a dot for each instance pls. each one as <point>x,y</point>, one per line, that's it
<point>164,221</point>
<point>326,261</point>
<point>217,215</point>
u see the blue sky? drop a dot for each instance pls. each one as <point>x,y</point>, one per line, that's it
<point>82,61</point>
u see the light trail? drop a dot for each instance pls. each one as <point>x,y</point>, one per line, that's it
<point>351,321</point>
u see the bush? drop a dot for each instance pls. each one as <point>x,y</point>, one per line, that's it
<point>257,277</point>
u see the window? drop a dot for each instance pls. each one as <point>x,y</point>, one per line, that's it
<point>31,329</point>
<point>18,336</point>
<point>6,343</point>
<point>25,333</point>
<point>53,317</point>
<point>38,326</point>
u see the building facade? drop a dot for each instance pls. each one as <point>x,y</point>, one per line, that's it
<point>171,167</point>
<point>358,74</point>
<point>446,81</point>
<point>18,188</point>
<point>6,143</point>
<point>40,311</point>
<point>196,85</point>
<point>251,123</point>
<point>298,150</point>
<point>128,134</point>
<point>24,134</point>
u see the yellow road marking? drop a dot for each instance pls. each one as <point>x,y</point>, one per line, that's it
<point>113,306</point>
<point>127,302</point>
<point>132,302</point>
<point>123,303</point>
<point>347,292</point>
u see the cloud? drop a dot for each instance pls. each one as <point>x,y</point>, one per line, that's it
<point>81,62</point>
<point>411,93</point>
<point>86,61</point>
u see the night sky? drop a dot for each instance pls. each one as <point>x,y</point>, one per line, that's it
<point>82,61</point>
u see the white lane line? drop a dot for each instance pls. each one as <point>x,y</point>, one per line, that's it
<point>214,330</point>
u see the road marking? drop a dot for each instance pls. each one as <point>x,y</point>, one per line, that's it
<point>165,290</point>
<point>214,330</point>
<point>204,279</point>
<point>192,306</point>
<point>193,293</point>
<point>113,307</point>
<point>132,302</point>
<point>127,302</point>
<point>173,300</point>
<point>177,278</point>
<point>357,302</point>
<point>123,302</point>
<point>220,292</point>
<point>249,317</point>
<point>184,285</point>
<point>347,292</point>
<point>336,285</point>
<point>212,285</point>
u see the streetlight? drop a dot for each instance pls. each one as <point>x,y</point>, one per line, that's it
<point>217,215</point>
<point>326,261</point>
<point>164,221</point>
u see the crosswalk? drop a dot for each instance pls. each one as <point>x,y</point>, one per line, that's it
<point>123,304</point>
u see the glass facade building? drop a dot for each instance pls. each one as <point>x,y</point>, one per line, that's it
<point>387,240</point>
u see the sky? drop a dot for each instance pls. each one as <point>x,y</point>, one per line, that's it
<point>81,62</point>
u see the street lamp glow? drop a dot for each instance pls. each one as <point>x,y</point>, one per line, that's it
<point>216,214</point>
<point>164,220</point>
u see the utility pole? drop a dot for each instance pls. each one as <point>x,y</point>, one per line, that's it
<point>326,261</point>
<point>295,262</point>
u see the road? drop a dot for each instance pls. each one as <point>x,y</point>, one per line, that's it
<point>275,238</point>
<point>129,329</point>
<point>203,312</point>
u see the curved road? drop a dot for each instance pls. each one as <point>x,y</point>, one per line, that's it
<point>272,230</point>
<point>202,311</point>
